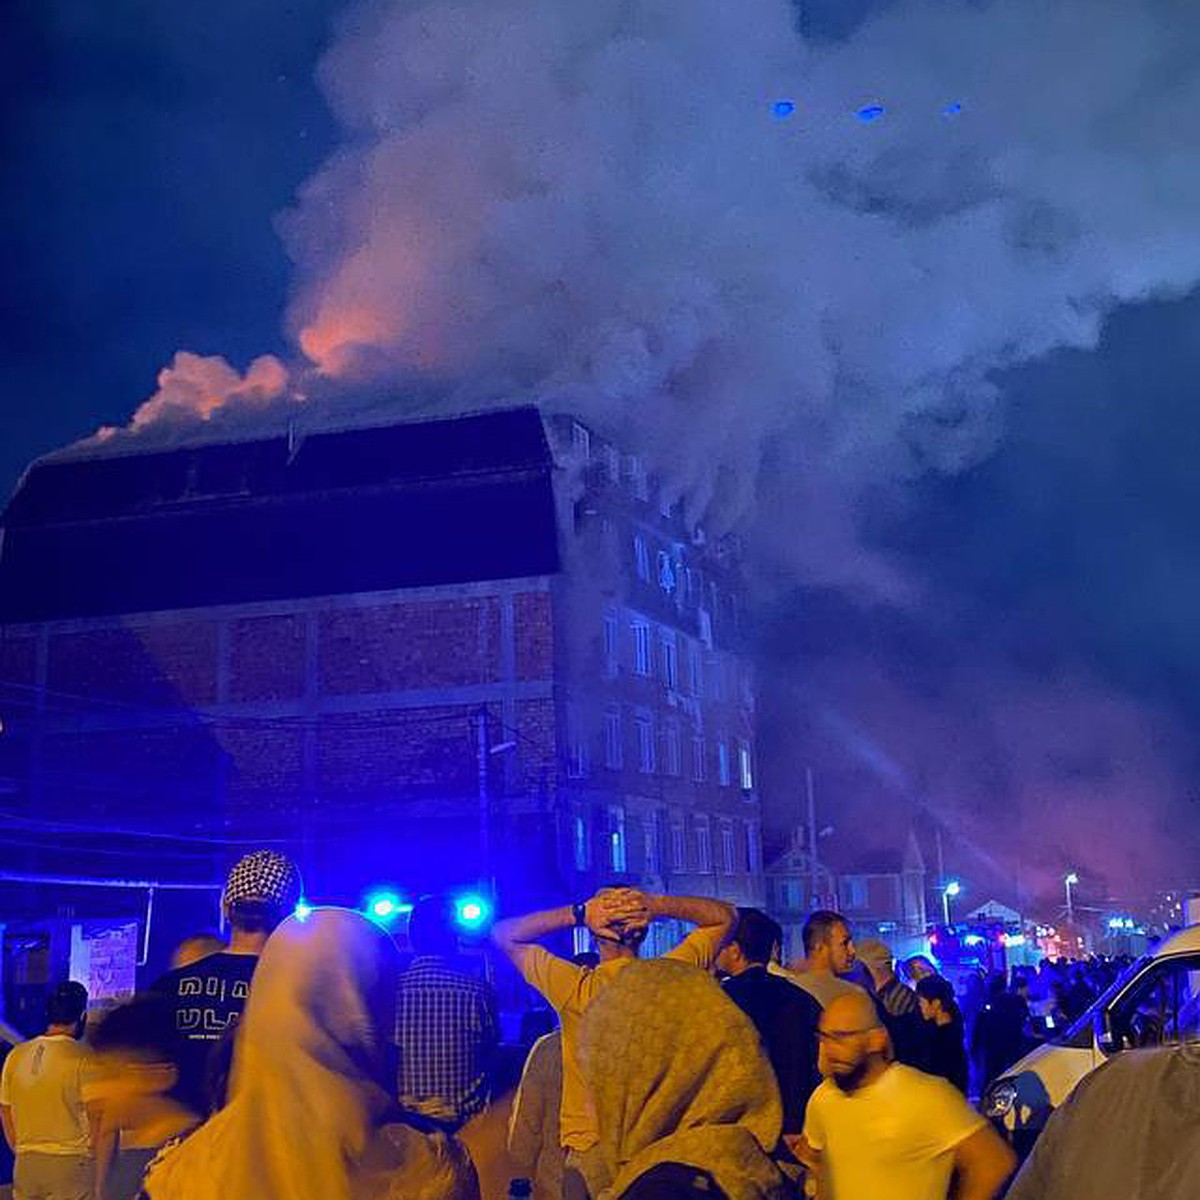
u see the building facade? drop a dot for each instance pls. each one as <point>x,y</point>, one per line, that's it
<point>471,650</point>
<point>881,894</point>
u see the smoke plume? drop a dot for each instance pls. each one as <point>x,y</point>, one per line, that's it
<point>784,261</point>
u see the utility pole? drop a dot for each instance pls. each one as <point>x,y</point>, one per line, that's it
<point>812,836</point>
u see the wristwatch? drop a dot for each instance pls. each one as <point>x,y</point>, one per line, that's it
<point>579,912</point>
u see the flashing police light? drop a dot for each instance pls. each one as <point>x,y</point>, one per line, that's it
<point>472,911</point>
<point>385,906</point>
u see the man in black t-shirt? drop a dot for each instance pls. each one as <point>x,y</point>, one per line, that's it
<point>207,996</point>
<point>786,1016</point>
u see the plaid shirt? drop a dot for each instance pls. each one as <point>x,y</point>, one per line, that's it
<point>447,1031</point>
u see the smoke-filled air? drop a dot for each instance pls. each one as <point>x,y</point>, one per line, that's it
<point>793,272</point>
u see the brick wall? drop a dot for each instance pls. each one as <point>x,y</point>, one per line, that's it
<point>159,665</point>
<point>267,657</point>
<point>410,646</point>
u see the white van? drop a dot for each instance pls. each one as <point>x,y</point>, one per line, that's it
<point>1155,1002</point>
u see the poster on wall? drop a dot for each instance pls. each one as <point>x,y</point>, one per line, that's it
<point>104,959</point>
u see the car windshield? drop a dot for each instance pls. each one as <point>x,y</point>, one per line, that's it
<point>1081,1031</point>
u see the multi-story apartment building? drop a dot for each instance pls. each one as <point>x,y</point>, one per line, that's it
<point>423,654</point>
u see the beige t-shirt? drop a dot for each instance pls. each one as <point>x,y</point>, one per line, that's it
<point>823,986</point>
<point>895,1138</point>
<point>42,1083</point>
<point>569,990</point>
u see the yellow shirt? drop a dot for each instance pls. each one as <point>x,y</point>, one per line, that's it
<point>895,1137</point>
<point>569,990</point>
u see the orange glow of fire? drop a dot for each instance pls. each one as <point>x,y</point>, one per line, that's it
<point>331,339</point>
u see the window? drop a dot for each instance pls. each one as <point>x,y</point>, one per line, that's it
<point>728,852</point>
<point>666,573</point>
<point>665,504</point>
<point>638,481</point>
<point>581,440</point>
<point>616,838</point>
<point>672,749</point>
<point>703,845</point>
<point>612,463</point>
<point>645,736</point>
<point>753,848</point>
<point>1160,1008</point>
<point>716,678</point>
<point>577,750</point>
<point>614,750</point>
<point>612,652</point>
<point>723,776</point>
<point>650,835</point>
<point>854,892</point>
<point>705,621</point>
<point>582,857</point>
<point>695,670</point>
<point>699,752</point>
<point>678,845</point>
<point>670,661</point>
<point>745,767</point>
<point>641,555</point>
<point>641,648</point>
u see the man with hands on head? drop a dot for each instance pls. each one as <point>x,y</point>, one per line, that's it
<point>618,919</point>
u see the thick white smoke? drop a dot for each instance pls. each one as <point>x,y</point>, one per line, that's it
<point>599,205</point>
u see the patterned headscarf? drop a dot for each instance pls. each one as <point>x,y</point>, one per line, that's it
<point>676,1073</point>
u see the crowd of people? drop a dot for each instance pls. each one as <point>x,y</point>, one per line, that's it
<point>307,1058</point>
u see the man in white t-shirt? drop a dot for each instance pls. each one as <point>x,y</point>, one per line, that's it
<point>42,1107</point>
<point>876,1128</point>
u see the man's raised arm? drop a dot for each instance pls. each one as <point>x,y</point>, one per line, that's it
<point>516,934</point>
<point>699,910</point>
<point>714,921</point>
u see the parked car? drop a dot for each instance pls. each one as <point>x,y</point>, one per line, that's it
<point>1155,1002</point>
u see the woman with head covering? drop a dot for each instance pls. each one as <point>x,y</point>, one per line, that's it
<point>310,1116</point>
<point>685,1100</point>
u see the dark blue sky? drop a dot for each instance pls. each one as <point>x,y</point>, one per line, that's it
<point>149,144</point>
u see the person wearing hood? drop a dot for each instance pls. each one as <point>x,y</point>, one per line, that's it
<point>310,1114</point>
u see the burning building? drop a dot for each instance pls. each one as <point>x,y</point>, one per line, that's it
<point>429,653</point>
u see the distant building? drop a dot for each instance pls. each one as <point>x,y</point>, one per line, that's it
<point>793,891</point>
<point>883,893</point>
<point>423,654</point>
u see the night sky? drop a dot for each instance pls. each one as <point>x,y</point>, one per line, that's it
<point>1046,661</point>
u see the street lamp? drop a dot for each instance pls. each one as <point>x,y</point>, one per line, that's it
<point>1070,881</point>
<point>951,890</point>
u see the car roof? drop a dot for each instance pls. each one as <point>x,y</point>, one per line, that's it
<point>1186,941</point>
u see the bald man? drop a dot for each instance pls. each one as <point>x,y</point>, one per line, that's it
<point>877,1128</point>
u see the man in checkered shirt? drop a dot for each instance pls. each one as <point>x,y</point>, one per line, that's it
<point>447,1028</point>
